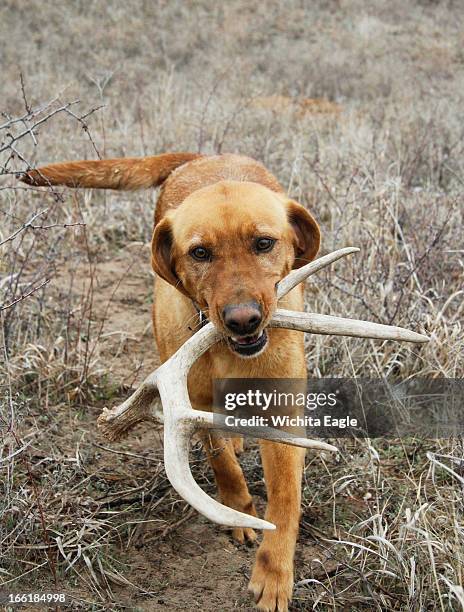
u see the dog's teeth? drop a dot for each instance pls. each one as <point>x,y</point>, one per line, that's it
<point>247,339</point>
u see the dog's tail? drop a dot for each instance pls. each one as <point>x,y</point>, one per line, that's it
<point>127,173</point>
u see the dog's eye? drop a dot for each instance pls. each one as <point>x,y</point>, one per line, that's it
<point>264,245</point>
<point>200,254</point>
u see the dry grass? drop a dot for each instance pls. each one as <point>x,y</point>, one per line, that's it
<point>385,174</point>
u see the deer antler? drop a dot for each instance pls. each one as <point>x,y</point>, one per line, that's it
<point>181,420</point>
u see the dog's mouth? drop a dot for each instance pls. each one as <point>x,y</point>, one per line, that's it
<point>248,346</point>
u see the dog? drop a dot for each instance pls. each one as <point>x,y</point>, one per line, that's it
<point>225,234</point>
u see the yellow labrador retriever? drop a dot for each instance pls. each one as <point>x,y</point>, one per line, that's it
<point>225,234</point>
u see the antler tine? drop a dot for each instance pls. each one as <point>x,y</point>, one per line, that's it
<point>217,421</point>
<point>297,276</point>
<point>116,422</point>
<point>176,463</point>
<point>338,326</point>
<point>180,421</point>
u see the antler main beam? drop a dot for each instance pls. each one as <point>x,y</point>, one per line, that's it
<point>181,420</point>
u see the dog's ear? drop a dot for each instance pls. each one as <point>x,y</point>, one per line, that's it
<point>162,259</point>
<point>306,234</point>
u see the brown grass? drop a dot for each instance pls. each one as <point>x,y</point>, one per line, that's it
<point>383,520</point>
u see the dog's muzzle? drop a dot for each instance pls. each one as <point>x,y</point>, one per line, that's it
<point>246,345</point>
<point>243,322</point>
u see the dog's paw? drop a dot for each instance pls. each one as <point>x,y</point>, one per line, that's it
<point>245,534</point>
<point>243,503</point>
<point>238,445</point>
<point>271,584</point>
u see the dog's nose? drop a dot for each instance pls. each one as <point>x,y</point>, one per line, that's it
<point>242,319</point>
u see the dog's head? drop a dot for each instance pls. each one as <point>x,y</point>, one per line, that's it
<point>226,247</point>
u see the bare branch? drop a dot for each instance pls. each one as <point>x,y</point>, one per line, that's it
<point>25,295</point>
<point>24,226</point>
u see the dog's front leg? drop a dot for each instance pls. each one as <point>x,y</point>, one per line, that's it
<point>272,578</point>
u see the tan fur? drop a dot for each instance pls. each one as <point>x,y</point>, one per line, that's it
<point>223,202</point>
<point>127,173</point>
